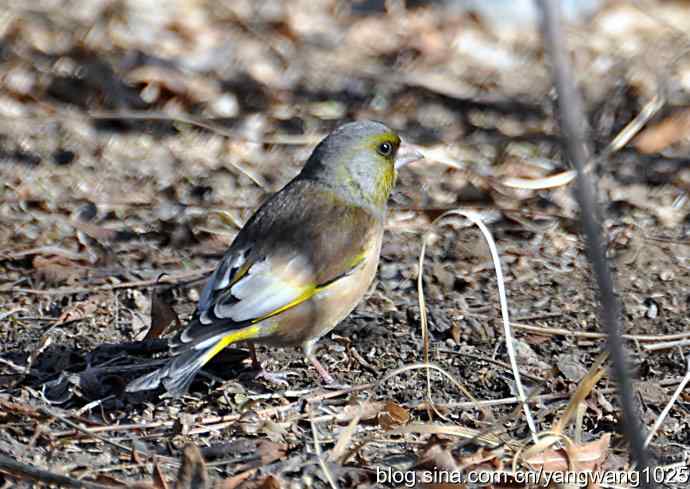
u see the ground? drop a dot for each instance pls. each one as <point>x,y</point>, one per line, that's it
<point>136,138</point>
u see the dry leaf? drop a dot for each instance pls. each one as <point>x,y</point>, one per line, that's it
<point>236,480</point>
<point>585,456</point>
<point>158,478</point>
<point>671,130</point>
<point>55,269</point>
<point>392,416</point>
<point>270,451</point>
<point>366,411</point>
<point>434,458</point>
<point>192,473</point>
<point>162,316</point>
<point>77,311</point>
<point>270,482</point>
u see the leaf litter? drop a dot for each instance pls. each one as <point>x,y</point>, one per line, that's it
<point>134,142</point>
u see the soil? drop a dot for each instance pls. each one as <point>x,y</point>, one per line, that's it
<point>135,140</point>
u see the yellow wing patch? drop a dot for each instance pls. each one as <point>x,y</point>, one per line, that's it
<point>255,330</point>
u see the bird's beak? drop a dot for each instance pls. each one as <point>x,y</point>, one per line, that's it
<point>407,154</point>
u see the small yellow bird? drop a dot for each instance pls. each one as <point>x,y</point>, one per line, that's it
<point>302,262</point>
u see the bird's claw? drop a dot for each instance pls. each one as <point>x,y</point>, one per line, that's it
<point>275,378</point>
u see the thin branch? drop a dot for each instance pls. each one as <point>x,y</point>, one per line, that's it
<point>317,447</point>
<point>169,279</point>
<point>642,338</point>
<point>667,408</point>
<point>24,471</point>
<point>572,124</point>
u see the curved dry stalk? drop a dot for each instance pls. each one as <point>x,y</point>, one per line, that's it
<point>476,219</point>
<point>430,366</point>
<point>423,319</point>
<point>552,181</point>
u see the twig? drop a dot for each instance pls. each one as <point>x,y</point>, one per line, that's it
<point>43,476</point>
<point>287,140</point>
<point>573,129</point>
<point>671,402</point>
<point>493,361</point>
<point>43,250</point>
<point>174,279</point>
<point>642,338</point>
<point>17,368</point>
<point>78,427</point>
<point>319,455</point>
<point>10,313</point>
<point>666,345</point>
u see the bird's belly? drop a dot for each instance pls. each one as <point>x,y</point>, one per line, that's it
<point>320,314</point>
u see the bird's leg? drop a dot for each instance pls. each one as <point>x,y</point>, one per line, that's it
<point>255,363</point>
<point>309,353</point>
<point>276,378</point>
<point>327,378</point>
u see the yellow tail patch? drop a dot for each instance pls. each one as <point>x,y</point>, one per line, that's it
<point>243,334</point>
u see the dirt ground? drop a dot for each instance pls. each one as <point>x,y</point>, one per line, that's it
<point>136,137</point>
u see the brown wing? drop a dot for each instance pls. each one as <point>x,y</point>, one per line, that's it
<point>301,240</point>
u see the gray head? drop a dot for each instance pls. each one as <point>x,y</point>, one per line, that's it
<point>358,160</point>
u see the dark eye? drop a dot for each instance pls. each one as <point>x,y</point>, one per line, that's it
<point>385,149</point>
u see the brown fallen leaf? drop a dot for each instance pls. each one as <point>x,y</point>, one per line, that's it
<point>393,415</point>
<point>115,482</point>
<point>236,480</point>
<point>366,411</point>
<point>192,473</point>
<point>55,269</point>
<point>162,315</point>
<point>159,481</point>
<point>435,460</point>
<point>270,482</point>
<point>270,451</point>
<point>78,311</point>
<point>583,457</point>
<point>673,129</point>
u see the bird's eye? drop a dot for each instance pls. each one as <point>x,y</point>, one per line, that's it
<point>385,149</point>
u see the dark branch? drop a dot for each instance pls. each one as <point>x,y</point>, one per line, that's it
<point>24,471</point>
<point>572,124</point>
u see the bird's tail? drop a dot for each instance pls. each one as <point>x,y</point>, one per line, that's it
<point>178,373</point>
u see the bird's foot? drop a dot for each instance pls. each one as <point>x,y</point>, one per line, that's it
<point>279,379</point>
<point>325,376</point>
<point>276,378</point>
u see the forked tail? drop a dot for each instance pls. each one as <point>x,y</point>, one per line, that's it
<point>178,373</point>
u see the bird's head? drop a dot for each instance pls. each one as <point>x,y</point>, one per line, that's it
<point>359,160</point>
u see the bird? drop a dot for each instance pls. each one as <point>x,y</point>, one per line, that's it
<point>302,262</point>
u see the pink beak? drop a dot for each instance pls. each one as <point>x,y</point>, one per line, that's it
<point>407,154</point>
